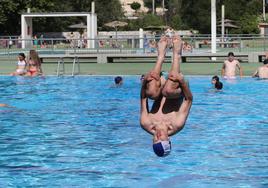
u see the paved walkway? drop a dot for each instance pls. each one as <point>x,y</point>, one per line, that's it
<point>132,68</point>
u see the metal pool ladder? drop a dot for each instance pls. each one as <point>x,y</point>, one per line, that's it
<point>61,66</point>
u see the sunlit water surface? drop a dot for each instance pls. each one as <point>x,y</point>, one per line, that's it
<point>84,132</point>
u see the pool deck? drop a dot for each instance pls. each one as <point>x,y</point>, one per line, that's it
<point>132,68</point>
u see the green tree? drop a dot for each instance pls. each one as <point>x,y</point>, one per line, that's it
<point>176,22</point>
<point>135,6</point>
<point>11,10</point>
<point>149,4</point>
<point>152,20</point>
<point>145,21</point>
<point>249,24</point>
<point>174,13</point>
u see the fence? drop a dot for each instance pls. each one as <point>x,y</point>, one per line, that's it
<point>11,46</point>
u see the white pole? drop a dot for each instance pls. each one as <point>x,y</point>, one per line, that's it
<point>222,21</point>
<point>23,31</point>
<point>163,5</point>
<point>141,38</point>
<point>88,31</point>
<point>93,7</point>
<point>92,26</point>
<point>264,16</point>
<point>153,6</point>
<point>213,27</point>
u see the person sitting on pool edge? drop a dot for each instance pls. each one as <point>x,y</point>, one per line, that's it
<point>216,82</point>
<point>118,80</point>
<point>229,66</point>
<point>169,112</point>
<point>262,71</point>
<point>34,64</point>
<point>21,66</point>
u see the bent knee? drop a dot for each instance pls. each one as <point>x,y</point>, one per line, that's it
<point>167,91</point>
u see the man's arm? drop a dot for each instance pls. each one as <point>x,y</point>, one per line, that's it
<point>255,74</point>
<point>223,70</point>
<point>144,108</point>
<point>185,107</point>
<point>240,69</point>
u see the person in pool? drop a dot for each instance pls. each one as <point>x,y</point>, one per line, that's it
<point>118,80</point>
<point>216,82</point>
<point>21,66</point>
<point>262,71</point>
<point>229,67</point>
<point>171,108</point>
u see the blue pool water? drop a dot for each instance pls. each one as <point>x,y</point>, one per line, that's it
<point>83,132</point>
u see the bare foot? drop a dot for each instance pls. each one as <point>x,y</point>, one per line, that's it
<point>162,45</point>
<point>177,45</point>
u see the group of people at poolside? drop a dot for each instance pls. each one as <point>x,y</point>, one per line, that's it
<point>30,66</point>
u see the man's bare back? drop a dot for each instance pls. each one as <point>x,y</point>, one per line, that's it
<point>262,72</point>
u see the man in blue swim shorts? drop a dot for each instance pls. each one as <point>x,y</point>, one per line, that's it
<point>171,107</point>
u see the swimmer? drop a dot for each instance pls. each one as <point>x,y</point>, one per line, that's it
<point>229,67</point>
<point>262,71</point>
<point>142,78</point>
<point>216,82</point>
<point>169,112</point>
<point>118,80</point>
<point>3,105</point>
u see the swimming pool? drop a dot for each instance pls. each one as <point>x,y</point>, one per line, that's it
<point>83,132</point>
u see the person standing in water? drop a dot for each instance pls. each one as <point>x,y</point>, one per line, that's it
<point>229,67</point>
<point>262,71</point>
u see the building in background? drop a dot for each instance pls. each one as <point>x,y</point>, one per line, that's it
<point>129,12</point>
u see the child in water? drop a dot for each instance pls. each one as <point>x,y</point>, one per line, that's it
<point>118,80</point>
<point>216,82</point>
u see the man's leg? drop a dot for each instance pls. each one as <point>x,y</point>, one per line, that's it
<point>161,48</point>
<point>172,87</point>
<point>153,88</point>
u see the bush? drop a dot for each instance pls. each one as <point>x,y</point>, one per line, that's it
<point>135,6</point>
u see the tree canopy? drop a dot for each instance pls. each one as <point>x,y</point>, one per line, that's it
<point>180,14</point>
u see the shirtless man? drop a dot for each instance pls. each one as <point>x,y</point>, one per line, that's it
<point>229,67</point>
<point>262,71</point>
<point>168,113</point>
